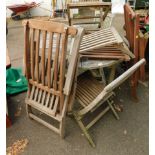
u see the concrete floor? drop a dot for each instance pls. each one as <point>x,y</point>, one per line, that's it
<point>128,136</point>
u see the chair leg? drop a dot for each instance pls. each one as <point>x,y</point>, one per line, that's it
<point>112,74</point>
<point>8,121</point>
<point>102,75</point>
<point>113,110</point>
<point>62,128</point>
<point>84,130</point>
<point>28,110</point>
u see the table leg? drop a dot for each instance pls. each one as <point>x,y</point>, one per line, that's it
<point>102,76</point>
<point>112,74</point>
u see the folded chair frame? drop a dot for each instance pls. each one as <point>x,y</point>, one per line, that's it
<point>84,96</point>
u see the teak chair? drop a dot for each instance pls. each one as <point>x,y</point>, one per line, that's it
<point>136,39</point>
<point>136,43</point>
<point>49,73</point>
<point>91,94</point>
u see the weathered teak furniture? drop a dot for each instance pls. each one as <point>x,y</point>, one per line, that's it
<point>105,41</point>
<point>105,44</point>
<point>91,94</point>
<point>50,75</point>
<point>102,6</point>
<point>135,42</point>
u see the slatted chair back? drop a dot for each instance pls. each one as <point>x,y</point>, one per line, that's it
<point>50,75</point>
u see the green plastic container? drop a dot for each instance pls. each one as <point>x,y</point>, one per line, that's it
<point>15,81</point>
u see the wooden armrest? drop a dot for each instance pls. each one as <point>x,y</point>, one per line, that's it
<point>73,61</point>
<point>110,87</point>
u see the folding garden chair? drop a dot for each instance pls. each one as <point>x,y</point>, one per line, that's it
<point>49,73</point>
<point>91,94</point>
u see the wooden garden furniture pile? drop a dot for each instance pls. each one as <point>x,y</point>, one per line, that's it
<point>53,79</point>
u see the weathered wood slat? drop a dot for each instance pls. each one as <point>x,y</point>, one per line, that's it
<point>95,52</point>
<point>56,62</point>
<point>48,99</point>
<point>62,68</point>
<point>43,97</point>
<point>114,57</point>
<point>49,59</point>
<point>88,4</point>
<point>40,95</point>
<point>32,52</point>
<point>36,94</point>
<point>32,92</point>
<point>86,17</point>
<point>43,56</point>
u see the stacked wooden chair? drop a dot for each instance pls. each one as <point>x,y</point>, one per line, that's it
<point>49,73</point>
<point>136,44</point>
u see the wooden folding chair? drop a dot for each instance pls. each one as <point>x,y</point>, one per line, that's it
<point>91,94</point>
<point>49,73</point>
<point>105,44</point>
